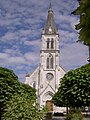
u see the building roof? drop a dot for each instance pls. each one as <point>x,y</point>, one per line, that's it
<point>50,26</point>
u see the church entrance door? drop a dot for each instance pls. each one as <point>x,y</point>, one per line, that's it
<point>49,105</point>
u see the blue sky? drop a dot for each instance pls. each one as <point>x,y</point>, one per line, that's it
<point>21,24</point>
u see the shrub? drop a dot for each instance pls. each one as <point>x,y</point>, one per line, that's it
<point>74,114</point>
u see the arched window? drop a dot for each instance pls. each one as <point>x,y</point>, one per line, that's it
<point>52,43</point>
<point>49,62</point>
<point>48,43</point>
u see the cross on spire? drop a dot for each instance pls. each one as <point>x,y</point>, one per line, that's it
<point>50,4</point>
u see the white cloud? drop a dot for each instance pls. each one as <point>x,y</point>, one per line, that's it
<point>4,59</point>
<point>32,57</point>
<point>32,43</point>
<point>3,56</point>
<point>13,52</point>
<point>9,36</point>
<point>16,60</point>
<point>74,56</point>
<point>23,32</point>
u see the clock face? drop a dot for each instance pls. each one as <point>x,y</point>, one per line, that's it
<point>50,29</point>
<point>49,76</point>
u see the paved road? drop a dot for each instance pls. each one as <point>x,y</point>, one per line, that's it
<point>63,118</point>
<point>57,118</point>
<point>86,119</point>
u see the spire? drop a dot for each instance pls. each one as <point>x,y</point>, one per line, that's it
<point>50,26</point>
<point>50,5</point>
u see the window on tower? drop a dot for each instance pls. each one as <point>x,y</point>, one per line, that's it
<point>49,62</point>
<point>52,43</point>
<point>48,43</point>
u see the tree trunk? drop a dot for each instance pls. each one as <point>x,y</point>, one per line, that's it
<point>89,54</point>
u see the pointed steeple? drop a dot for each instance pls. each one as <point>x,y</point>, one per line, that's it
<point>50,26</point>
<point>50,8</point>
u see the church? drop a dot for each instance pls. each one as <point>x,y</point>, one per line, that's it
<point>46,77</point>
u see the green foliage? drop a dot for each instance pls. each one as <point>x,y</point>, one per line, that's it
<point>17,100</point>
<point>74,114</point>
<point>84,26</point>
<point>74,88</point>
<point>8,84</point>
<point>28,91</point>
<point>20,106</point>
<point>57,100</point>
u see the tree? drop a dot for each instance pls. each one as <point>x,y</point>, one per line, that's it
<point>8,85</point>
<point>84,26</point>
<point>57,100</point>
<point>20,106</point>
<point>18,101</point>
<point>74,88</point>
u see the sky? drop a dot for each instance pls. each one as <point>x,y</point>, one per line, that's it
<point>21,24</point>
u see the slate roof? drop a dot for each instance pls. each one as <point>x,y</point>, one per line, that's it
<point>50,26</point>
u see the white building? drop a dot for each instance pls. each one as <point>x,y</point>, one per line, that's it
<point>46,78</point>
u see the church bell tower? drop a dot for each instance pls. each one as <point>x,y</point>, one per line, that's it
<point>50,71</point>
<point>50,44</point>
<point>46,78</point>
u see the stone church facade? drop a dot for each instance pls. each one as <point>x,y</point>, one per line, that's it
<point>46,77</point>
